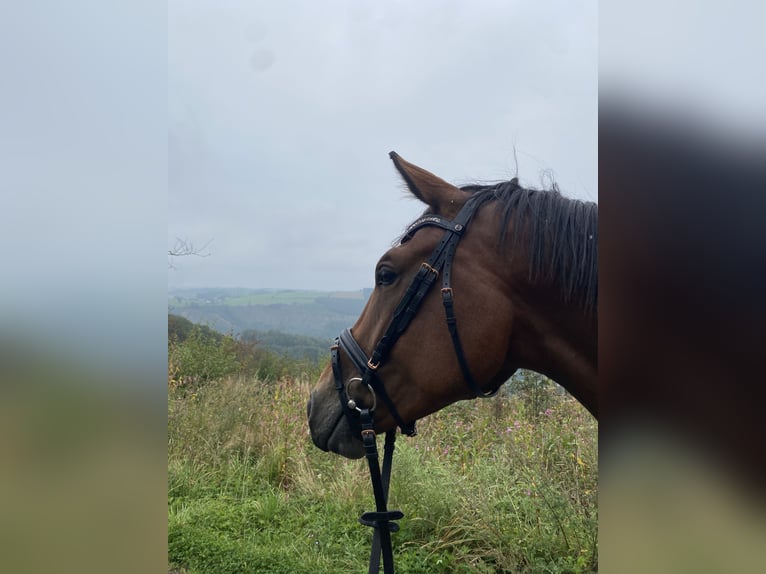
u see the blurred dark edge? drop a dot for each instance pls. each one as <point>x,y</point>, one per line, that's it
<point>83,224</point>
<point>682,314</point>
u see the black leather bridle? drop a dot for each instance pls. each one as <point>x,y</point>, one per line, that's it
<point>361,419</point>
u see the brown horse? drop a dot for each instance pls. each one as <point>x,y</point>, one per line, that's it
<point>524,279</point>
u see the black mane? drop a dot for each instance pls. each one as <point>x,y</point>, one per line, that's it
<point>562,237</point>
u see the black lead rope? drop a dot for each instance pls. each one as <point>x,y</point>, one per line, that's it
<point>381,520</point>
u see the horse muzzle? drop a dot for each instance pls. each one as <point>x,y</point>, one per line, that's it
<point>329,427</point>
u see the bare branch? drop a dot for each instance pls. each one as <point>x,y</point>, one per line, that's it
<point>184,248</point>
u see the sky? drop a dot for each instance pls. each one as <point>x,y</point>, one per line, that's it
<point>281,116</point>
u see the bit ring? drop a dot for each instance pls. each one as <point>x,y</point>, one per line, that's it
<point>352,403</point>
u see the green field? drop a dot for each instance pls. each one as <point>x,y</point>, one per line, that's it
<point>502,485</point>
<point>239,297</point>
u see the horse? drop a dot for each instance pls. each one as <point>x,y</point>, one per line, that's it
<point>519,270</point>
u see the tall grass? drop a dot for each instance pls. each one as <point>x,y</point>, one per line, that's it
<point>486,486</point>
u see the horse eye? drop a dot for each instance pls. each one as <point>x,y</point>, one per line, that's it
<point>384,276</point>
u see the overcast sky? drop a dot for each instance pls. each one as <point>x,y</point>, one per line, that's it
<point>281,116</point>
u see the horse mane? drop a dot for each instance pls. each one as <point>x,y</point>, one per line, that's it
<point>562,237</point>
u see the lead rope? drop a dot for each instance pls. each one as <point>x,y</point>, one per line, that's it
<point>381,519</point>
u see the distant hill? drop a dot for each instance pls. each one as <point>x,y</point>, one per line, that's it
<point>320,314</point>
<point>179,329</point>
<point>294,346</point>
<point>299,347</point>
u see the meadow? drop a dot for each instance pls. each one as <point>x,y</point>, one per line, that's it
<point>502,485</point>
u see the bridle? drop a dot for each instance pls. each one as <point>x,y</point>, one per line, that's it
<point>361,419</point>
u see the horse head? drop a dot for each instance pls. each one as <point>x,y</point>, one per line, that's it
<point>452,315</point>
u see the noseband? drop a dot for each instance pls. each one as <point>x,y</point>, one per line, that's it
<point>361,419</point>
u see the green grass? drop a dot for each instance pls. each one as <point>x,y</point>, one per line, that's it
<point>485,487</point>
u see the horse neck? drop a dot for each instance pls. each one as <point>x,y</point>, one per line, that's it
<point>557,339</point>
<point>548,333</point>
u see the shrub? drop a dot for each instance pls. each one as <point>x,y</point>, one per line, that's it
<point>537,392</point>
<point>203,356</point>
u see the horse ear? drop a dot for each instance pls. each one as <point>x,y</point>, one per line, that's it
<point>444,198</point>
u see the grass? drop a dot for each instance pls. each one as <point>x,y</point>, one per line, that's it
<point>487,486</point>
